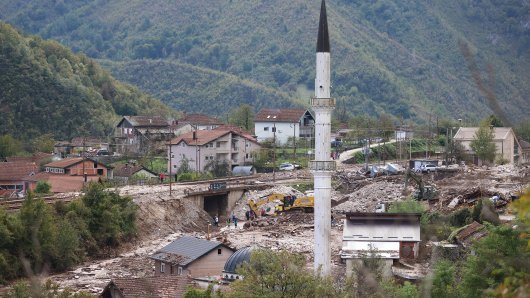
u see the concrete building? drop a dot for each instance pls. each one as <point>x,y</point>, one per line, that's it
<point>202,147</point>
<point>506,144</point>
<point>191,256</point>
<point>283,124</point>
<point>387,236</point>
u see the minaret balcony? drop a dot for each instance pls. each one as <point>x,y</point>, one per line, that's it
<point>315,165</point>
<point>323,102</point>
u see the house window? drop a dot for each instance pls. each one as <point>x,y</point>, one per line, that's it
<point>211,157</point>
<point>246,156</point>
<point>172,155</point>
<point>95,165</point>
<point>218,144</point>
<point>171,270</point>
<point>174,166</point>
<point>219,251</point>
<point>179,271</point>
<point>162,267</point>
<point>206,158</point>
<point>266,128</point>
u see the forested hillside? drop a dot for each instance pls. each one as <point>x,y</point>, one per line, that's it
<point>45,88</point>
<point>399,57</point>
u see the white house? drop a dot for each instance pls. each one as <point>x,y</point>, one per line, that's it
<point>201,121</point>
<point>387,236</point>
<point>202,147</point>
<point>506,143</point>
<point>282,124</point>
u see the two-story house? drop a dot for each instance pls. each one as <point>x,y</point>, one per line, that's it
<point>202,147</point>
<point>507,145</point>
<point>282,124</point>
<point>141,134</point>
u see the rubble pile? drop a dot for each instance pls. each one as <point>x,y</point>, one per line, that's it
<point>367,197</point>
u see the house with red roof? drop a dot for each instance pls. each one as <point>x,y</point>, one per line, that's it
<point>12,174</point>
<point>283,124</point>
<point>78,166</point>
<point>203,147</point>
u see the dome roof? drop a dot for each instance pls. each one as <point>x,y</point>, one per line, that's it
<point>238,258</point>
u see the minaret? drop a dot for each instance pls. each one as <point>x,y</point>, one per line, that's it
<point>322,167</point>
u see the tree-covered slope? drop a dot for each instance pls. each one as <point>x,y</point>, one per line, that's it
<point>45,88</point>
<point>400,57</point>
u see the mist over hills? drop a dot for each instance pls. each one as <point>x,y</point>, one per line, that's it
<point>396,57</point>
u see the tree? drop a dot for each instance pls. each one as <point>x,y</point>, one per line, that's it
<point>9,146</point>
<point>43,143</point>
<point>483,145</point>
<point>443,281</point>
<point>274,274</point>
<point>43,187</point>
<point>502,257</point>
<point>242,117</point>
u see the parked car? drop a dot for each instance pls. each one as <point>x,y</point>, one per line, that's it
<point>286,167</point>
<point>428,168</point>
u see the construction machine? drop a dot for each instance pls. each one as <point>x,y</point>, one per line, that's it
<point>282,203</point>
<point>424,192</point>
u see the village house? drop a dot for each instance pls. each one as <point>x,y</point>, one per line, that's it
<point>12,174</point>
<point>79,166</point>
<point>59,183</point>
<point>506,144</point>
<point>142,134</point>
<point>524,156</point>
<point>133,171</point>
<point>202,147</point>
<point>191,256</point>
<point>200,121</point>
<point>283,124</point>
<point>386,236</point>
<point>153,287</point>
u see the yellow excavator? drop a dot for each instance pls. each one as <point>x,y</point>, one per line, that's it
<point>424,192</point>
<point>283,203</point>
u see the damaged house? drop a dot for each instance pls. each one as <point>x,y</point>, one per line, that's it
<point>191,256</point>
<point>386,236</point>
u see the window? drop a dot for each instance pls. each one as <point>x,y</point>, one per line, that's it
<point>162,267</point>
<point>171,270</point>
<point>174,166</point>
<point>179,271</point>
<point>219,251</point>
<point>218,144</point>
<point>246,156</point>
<point>266,128</point>
<point>206,158</point>
<point>211,157</point>
<point>95,165</point>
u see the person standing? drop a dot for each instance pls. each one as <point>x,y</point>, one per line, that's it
<point>216,221</point>
<point>161,177</point>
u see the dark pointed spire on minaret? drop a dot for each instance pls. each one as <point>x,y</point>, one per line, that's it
<point>323,35</point>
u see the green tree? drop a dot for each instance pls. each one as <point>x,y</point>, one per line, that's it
<point>43,143</point>
<point>218,168</point>
<point>242,117</point>
<point>274,274</point>
<point>43,187</point>
<point>503,256</point>
<point>443,281</point>
<point>483,145</point>
<point>9,146</point>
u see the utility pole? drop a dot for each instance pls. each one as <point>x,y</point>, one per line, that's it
<point>274,153</point>
<point>83,155</point>
<point>170,166</point>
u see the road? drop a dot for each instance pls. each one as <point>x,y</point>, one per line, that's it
<point>348,154</point>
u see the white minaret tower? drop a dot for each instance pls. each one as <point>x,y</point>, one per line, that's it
<point>322,167</point>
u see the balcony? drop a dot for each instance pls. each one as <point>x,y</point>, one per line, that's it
<point>330,165</point>
<point>323,102</point>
